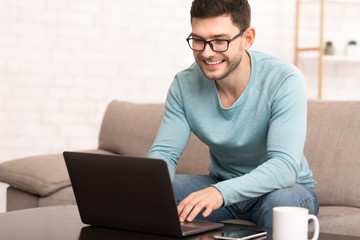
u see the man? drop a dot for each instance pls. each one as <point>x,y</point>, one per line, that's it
<point>250,109</point>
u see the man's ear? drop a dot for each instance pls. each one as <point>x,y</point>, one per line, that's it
<point>248,38</point>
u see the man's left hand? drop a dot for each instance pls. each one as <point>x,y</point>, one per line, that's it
<point>209,198</point>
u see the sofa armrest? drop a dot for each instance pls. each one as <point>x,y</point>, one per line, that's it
<point>40,175</point>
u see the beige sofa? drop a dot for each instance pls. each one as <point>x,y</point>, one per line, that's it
<point>332,148</point>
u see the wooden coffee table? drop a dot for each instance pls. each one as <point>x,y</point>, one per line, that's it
<point>63,223</point>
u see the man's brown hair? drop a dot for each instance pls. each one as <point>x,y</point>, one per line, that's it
<point>239,10</point>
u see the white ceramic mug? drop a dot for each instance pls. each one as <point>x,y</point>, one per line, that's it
<point>292,223</point>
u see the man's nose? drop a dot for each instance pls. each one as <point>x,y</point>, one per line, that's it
<point>208,52</point>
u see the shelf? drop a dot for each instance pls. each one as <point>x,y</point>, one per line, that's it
<point>343,59</point>
<point>334,59</point>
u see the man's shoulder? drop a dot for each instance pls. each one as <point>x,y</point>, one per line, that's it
<point>266,60</point>
<point>192,72</point>
<point>191,85</point>
<point>274,68</point>
<point>191,77</point>
<point>270,74</point>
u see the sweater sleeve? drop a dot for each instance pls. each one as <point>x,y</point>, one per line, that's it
<point>285,143</point>
<point>174,131</point>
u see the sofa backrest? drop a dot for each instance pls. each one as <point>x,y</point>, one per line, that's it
<point>130,129</point>
<point>332,148</point>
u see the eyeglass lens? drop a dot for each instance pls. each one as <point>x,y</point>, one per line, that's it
<point>216,45</point>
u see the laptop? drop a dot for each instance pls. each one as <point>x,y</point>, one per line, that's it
<point>128,193</point>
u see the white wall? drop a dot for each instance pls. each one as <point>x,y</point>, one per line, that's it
<point>62,61</point>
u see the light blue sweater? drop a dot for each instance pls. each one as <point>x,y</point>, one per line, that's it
<point>256,145</point>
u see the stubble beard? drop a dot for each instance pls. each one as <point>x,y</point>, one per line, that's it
<point>233,65</point>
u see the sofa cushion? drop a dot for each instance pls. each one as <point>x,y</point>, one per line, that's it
<point>17,199</point>
<point>41,175</point>
<point>333,150</point>
<point>339,220</point>
<point>64,196</point>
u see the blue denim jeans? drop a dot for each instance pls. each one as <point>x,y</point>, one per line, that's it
<point>257,210</point>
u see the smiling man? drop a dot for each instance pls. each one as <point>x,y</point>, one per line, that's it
<point>250,109</point>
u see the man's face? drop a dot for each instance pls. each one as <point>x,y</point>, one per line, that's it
<point>217,65</point>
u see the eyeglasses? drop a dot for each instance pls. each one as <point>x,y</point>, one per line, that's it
<point>217,45</point>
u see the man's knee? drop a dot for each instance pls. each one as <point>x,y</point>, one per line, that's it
<point>297,196</point>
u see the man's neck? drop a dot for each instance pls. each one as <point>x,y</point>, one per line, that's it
<point>231,88</point>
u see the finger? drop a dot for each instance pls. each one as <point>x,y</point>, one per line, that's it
<point>182,214</point>
<point>207,212</point>
<point>196,210</point>
<point>186,205</point>
<point>182,209</point>
<point>186,211</point>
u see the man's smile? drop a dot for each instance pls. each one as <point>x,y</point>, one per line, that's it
<point>214,62</point>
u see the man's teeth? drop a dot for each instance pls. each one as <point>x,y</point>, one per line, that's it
<point>213,63</point>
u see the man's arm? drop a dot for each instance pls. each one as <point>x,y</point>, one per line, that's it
<point>174,131</point>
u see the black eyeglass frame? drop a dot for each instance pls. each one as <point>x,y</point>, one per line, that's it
<point>215,40</point>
